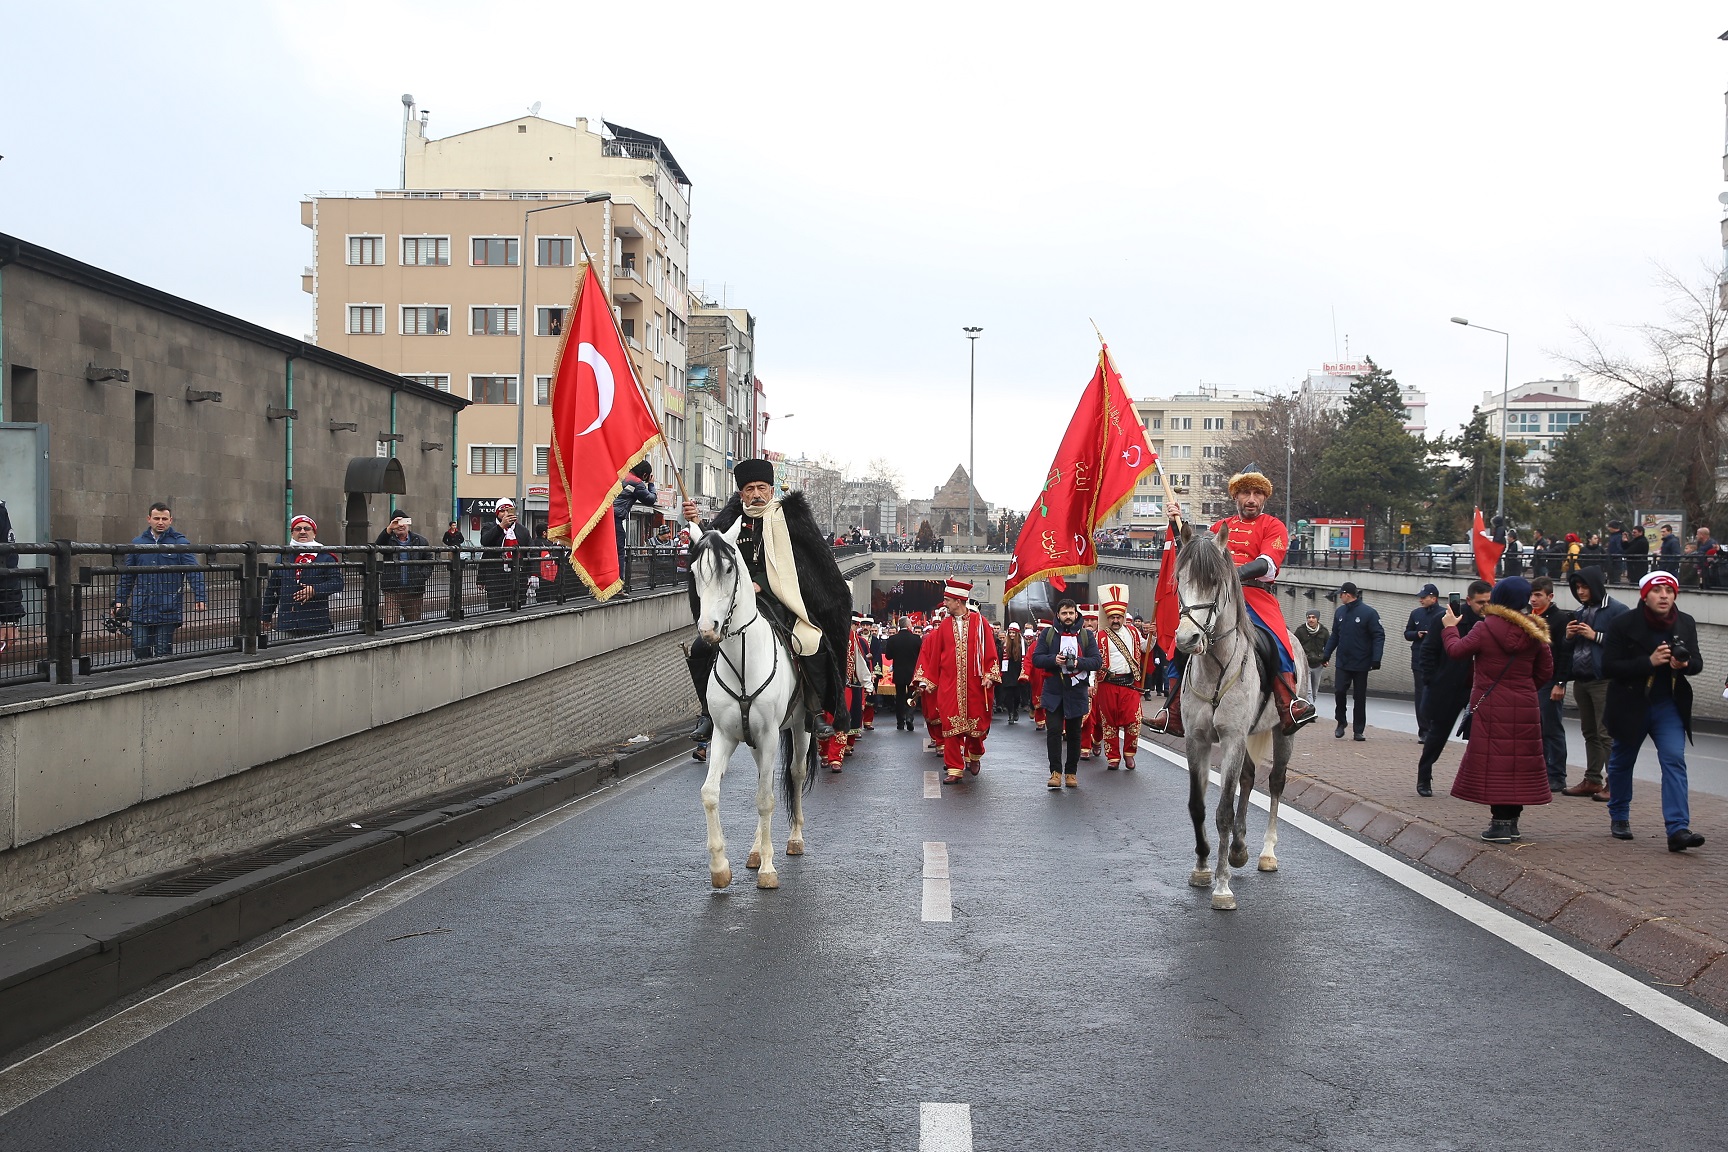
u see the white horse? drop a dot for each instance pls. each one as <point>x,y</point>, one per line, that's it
<point>1224,703</point>
<point>753,699</point>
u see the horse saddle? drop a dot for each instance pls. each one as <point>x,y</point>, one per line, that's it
<point>1266,655</point>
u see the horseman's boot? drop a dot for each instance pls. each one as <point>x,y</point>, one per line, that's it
<point>1295,710</point>
<point>700,657</point>
<point>818,704</point>
<point>1168,719</point>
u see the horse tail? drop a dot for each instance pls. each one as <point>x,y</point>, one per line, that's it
<point>789,791</point>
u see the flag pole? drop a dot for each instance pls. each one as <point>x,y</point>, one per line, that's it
<point>647,401</point>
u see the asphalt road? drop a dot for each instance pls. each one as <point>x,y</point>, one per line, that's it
<point>587,989</point>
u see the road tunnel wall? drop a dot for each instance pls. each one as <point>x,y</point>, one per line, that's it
<point>110,784</point>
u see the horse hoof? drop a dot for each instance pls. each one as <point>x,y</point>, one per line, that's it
<point>1268,863</point>
<point>1200,878</point>
<point>1223,903</point>
<point>721,879</point>
<point>755,860</point>
<point>794,847</point>
<point>767,880</point>
<point>1238,857</point>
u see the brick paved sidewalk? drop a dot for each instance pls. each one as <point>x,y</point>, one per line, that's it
<point>1663,912</point>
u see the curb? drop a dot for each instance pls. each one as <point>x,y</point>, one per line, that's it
<point>1669,953</point>
<point>73,960</point>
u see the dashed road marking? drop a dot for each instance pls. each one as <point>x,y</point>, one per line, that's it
<point>938,899</point>
<point>1689,1024</point>
<point>944,1128</point>
<point>932,785</point>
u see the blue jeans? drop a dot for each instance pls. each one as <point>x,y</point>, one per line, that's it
<point>1662,724</point>
<point>153,640</point>
<point>1553,735</point>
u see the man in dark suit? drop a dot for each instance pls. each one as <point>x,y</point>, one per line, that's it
<point>901,651</point>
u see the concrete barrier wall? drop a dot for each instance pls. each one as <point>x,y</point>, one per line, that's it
<point>109,784</point>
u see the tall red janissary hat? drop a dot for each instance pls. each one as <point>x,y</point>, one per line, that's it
<point>957,588</point>
<point>1114,598</point>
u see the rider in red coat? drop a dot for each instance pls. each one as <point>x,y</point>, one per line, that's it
<point>1257,542</point>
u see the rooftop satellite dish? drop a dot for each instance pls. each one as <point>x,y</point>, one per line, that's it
<point>535,110</point>
<point>1722,198</point>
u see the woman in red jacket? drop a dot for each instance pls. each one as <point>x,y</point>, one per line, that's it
<point>1503,766</point>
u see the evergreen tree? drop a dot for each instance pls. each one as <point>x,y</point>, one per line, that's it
<point>1467,468</point>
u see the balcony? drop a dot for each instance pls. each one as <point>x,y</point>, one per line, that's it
<point>625,281</point>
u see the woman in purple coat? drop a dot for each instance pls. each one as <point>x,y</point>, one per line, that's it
<point>1503,766</point>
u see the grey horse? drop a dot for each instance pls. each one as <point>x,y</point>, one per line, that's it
<point>1224,703</point>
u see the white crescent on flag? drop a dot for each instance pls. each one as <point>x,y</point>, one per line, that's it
<point>603,383</point>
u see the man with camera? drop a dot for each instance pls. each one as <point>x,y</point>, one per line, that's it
<point>1068,654</point>
<point>1649,653</point>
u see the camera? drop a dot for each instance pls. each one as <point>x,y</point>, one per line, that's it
<point>119,621</point>
<point>1678,650</point>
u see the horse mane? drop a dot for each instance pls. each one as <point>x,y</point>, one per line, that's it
<point>1207,564</point>
<point>711,543</point>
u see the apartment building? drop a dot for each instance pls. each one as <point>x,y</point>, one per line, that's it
<point>1330,385</point>
<point>1190,431</point>
<point>1537,413</point>
<point>723,395</point>
<point>461,278</point>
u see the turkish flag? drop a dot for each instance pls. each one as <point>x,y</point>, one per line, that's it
<point>1103,455</point>
<point>1166,612</point>
<point>601,427</point>
<point>1487,550</point>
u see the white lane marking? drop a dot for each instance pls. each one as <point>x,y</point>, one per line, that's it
<point>1689,1024</point>
<point>938,899</point>
<point>48,1069</point>
<point>944,1128</point>
<point>932,785</point>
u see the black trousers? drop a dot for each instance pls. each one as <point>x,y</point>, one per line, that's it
<point>903,714</point>
<point>1506,811</point>
<point>1061,728</point>
<point>1343,688</point>
<point>1420,679</point>
<point>1444,708</point>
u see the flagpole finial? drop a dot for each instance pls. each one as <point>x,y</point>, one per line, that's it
<point>1101,341</point>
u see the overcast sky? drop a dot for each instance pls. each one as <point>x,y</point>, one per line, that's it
<point>1207,182</point>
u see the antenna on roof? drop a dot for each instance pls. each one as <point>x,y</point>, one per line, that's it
<point>534,109</point>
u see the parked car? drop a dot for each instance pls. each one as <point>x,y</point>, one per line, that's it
<point>1442,557</point>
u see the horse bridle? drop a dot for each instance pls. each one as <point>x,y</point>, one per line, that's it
<point>742,699</point>
<point>1208,630</point>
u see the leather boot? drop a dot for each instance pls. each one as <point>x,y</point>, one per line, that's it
<point>1168,719</point>
<point>699,657</point>
<point>1295,710</point>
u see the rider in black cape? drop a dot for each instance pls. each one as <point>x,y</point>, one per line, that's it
<point>808,575</point>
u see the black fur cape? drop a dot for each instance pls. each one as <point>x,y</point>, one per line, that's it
<point>827,596</point>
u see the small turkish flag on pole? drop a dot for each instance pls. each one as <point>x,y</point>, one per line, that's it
<point>1487,549</point>
<point>601,426</point>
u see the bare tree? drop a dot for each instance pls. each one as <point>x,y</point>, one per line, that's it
<point>1302,421</point>
<point>1675,376</point>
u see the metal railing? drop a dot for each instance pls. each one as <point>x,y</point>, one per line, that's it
<point>73,609</point>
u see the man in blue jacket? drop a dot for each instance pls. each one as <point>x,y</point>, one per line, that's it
<point>1586,637</point>
<point>1424,618</point>
<point>1358,640</point>
<point>156,599</point>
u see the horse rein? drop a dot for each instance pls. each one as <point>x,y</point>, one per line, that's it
<point>739,669</point>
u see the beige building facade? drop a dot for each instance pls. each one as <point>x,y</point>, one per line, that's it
<point>1190,432</point>
<point>428,281</point>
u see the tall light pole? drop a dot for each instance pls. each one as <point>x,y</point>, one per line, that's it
<point>1505,417</point>
<point>971,432</point>
<point>522,255</point>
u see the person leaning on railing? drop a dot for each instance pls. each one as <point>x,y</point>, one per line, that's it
<point>297,594</point>
<point>405,569</point>
<point>154,601</point>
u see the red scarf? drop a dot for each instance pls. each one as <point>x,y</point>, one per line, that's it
<point>1660,623</point>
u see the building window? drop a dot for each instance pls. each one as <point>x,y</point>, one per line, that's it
<point>495,251</point>
<point>1560,423</point>
<point>365,249</point>
<point>492,389</point>
<point>426,320</point>
<point>675,429</point>
<point>542,389</point>
<point>438,380</point>
<point>628,327</point>
<point>1181,423</point>
<point>542,453</point>
<point>549,321</point>
<point>554,251</point>
<point>1526,422</point>
<point>426,251</point>
<point>492,321</point>
<point>1212,423</point>
<point>144,430</point>
<point>365,319</point>
<point>1156,423</point>
<point>491,460</point>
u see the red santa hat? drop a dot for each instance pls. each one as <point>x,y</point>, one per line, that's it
<point>957,589</point>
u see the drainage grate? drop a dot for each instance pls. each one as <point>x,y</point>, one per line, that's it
<point>196,882</point>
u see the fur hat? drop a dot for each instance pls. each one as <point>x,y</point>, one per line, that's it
<point>752,471</point>
<point>1250,482</point>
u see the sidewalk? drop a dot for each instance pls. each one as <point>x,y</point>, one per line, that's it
<point>1664,913</point>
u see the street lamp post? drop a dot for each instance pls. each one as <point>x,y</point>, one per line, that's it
<point>971,431</point>
<point>522,347</point>
<point>1505,418</point>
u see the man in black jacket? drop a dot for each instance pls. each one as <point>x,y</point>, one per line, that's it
<point>406,567</point>
<point>503,571</point>
<point>901,650</point>
<point>1552,695</point>
<point>1448,683</point>
<point>1068,654</point>
<point>1359,641</point>
<point>1648,655</point>
<point>796,580</point>
<point>1424,618</point>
